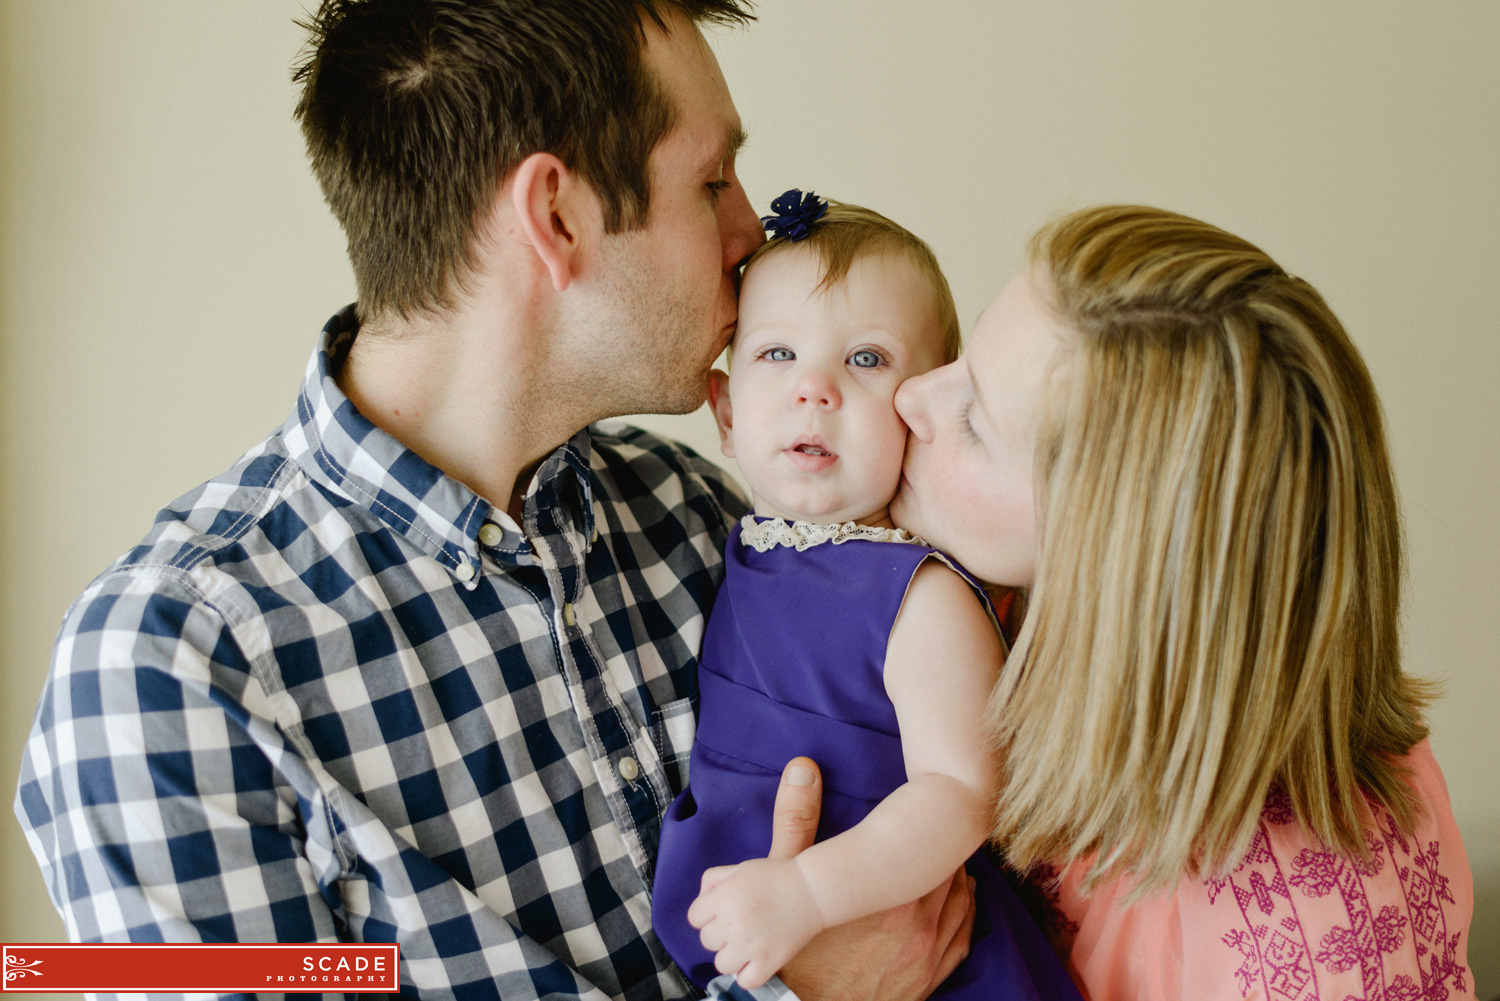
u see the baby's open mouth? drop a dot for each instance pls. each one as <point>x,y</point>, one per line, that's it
<point>812,455</point>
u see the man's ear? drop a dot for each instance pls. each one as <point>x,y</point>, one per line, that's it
<point>552,206</point>
<point>718,402</point>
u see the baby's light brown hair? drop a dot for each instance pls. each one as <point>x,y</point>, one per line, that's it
<point>846,233</point>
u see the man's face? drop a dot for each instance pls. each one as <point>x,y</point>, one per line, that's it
<point>669,300</point>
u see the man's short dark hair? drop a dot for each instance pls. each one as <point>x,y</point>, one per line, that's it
<point>415,110</point>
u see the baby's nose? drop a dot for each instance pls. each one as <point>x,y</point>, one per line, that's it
<point>816,389</point>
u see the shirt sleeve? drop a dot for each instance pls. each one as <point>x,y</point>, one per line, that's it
<point>156,801</point>
<point>165,802</point>
<point>727,988</point>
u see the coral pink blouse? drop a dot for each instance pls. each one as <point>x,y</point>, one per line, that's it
<point>1294,922</point>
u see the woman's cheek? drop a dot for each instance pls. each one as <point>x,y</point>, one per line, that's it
<point>971,520</point>
<point>1011,557</point>
<point>948,505</point>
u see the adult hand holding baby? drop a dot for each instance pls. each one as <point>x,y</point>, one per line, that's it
<point>898,954</point>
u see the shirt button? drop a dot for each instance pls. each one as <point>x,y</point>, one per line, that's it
<point>568,616</point>
<point>490,534</point>
<point>630,769</point>
<point>465,570</point>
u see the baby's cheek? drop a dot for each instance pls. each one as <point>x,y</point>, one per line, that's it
<point>888,445</point>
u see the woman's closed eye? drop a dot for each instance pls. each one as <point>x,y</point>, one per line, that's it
<point>965,426</point>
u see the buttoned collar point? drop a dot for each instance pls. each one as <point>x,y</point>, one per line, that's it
<point>560,497</point>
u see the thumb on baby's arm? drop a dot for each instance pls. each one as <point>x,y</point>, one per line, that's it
<point>799,804</point>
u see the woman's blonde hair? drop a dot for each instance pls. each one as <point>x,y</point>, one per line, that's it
<point>1215,608</point>
<point>845,233</point>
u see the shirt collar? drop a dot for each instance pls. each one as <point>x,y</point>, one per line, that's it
<point>340,449</point>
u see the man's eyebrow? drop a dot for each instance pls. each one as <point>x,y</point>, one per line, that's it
<point>732,141</point>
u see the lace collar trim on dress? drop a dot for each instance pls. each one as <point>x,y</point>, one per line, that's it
<point>766,535</point>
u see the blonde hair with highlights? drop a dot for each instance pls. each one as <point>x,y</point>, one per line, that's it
<point>846,233</point>
<point>1215,608</point>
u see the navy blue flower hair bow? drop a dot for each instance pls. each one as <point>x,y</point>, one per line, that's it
<point>794,214</point>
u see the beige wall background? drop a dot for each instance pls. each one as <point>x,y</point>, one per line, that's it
<point>166,260</point>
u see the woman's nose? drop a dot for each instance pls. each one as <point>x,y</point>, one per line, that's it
<point>912,404</point>
<point>816,389</point>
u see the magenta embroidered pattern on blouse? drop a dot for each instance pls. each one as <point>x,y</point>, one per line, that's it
<point>1294,921</point>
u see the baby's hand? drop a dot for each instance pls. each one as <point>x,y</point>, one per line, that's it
<point>755,916</point>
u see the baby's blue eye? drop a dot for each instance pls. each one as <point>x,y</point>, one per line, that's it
<point>865,359</point>
<point>778,354</point>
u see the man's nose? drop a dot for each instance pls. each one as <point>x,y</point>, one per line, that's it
<point>740,227</point>
<point>912,406</point>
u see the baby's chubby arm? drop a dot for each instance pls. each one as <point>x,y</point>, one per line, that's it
<point>940,666</point>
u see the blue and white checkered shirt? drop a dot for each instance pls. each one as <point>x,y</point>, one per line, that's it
<point>334,695</point>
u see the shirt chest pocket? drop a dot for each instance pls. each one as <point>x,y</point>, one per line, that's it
<point>673,728</point>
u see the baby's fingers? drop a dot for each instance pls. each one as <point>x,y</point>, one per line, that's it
<point>730,959</point>
<point>703,908</point>
<point>753,974</point>
<point>713,936</point>
<point>714,876</point>
<point>700,912</point>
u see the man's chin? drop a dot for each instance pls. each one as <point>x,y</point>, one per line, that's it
<point>677,400</point>
<point>677,408</point>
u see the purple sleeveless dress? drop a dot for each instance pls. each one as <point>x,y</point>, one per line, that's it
<point>792,664</point>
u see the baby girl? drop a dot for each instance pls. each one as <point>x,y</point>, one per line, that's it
<point>836,635</point>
